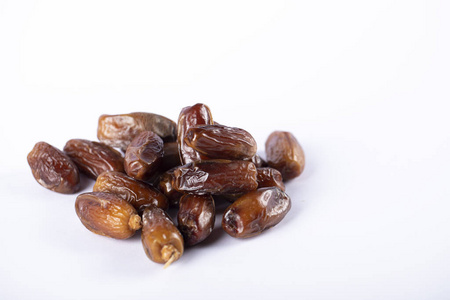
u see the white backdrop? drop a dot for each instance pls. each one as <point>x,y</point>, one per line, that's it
<point>363,85</point>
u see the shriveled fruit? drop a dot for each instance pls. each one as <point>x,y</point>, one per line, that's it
<point>137,193</point>
<point>196,217</point>
<point>219,141</point>
<point>171,157</point>
<point>107,214</point>
<point>144,155</point>
<point>215,177</point>
<point>53,169</point>
<point>255,212</point>
<point>162,241</point>
<point>268,177</point>
<point>93,158</point>
<point>284,153</point>
<point>119,130</point>
<point>166,187</point>
<point>191,116</point>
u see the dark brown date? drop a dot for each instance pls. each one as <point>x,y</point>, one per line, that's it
<point>258,161</point>
<point>171,157</point>
<point>215,177</point>
<point>144,155</point>
<point>196,218</point>
<point>268,177</point>
<point>284,153</point>
<point>218,141</point>
<point>191,116</point>
<point>119,130</point>
<point>137,193</point>
<point>255,212</point>
<point>162,241</point>
<point>166,187</point>
<point>93,158</point>
<point>107,214</point>
<point>53,169</point>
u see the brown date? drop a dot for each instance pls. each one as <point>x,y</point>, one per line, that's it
<point>268,177</point>
<point>171,157</point>
<point>215,177</point>
<point>191,116</point>
<point>53,169</point>
<point>137,193</point>
<point>93,158</point>
<point>219,141</point>
<point>107,214</point>
<point>255,212</point>
<point>144,155</point>
<point>166,187</point>
<point>196,217</point>
<point>162,241</point>
<point>258,161</point>
<point>284,153</point>
<point>119,130</point>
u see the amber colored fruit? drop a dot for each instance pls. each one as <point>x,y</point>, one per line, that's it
<point>107,214</point>
<point>259,161</point>
<point>255,212</point>
<point>53,169</point>
<point>191,116</point>
<point>162,241</point>
<point>196,217</point>
<point>137,193</point>
<point>219,141</point>
<point>144,155</point>
<point>215,177</point>
<point>119,130</point>
<point>166,187</point>
<point>268,177</point>
<point>284,153</point>
<point>93,158</point>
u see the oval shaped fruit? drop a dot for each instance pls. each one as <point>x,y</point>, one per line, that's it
<point>53,169</point>
<point>107,214</point>
<point>144,155</point>
<point>268,177</point>
<point>137,193</point>
<point>93,158</point>
<point>255,212</point>
<point>284,153</point>
<point>162,241</point>
<point>196,217</point>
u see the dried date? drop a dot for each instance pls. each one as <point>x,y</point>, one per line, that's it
<point>268,177</point>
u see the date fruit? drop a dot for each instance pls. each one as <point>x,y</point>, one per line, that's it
<point>166,187</point>
<point>144,155</point>
<point>268,177</point>
<point>135,192</point>
<point>53,169</point>
<point>215,177</point>
<point>196,217</point>
<point>119,130</point>
<point>107,214</point>
<point>284,153</point>
<point>219,141</point>
<point>162,241</point>
<point>93,158</point>
<point>255,212</point>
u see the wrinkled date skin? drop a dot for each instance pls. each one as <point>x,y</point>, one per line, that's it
<point>259,162</point>
<point>255,212</point>
<point>166,187</point>
<point>93,158</point>
<point>137,193</point>
<point>218,141</point>
<point>162,241</point>
<point>107,214</point>
<point>53,169</point>
<point>215,177</point>
<point>119,130</point>
<point>144,155</point>
<point>196,217</point>
<point>171,157</point>
<point>284,153</point>
<point>268,177</point>
<point>191,116</point>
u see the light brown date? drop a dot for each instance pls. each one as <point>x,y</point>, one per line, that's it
<point>255,212</point>
<point>268,177</point>
<point>284,153</point>
<point>137,193</point>
<point>53,169</point>
<point>107,214</point>
<point>196,217</point>
<point>93,158</point>
<point>166,187</point>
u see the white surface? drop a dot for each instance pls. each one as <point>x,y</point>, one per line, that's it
<point>363,85</point>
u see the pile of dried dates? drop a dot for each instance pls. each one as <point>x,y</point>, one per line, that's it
<point>146,163</point>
